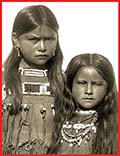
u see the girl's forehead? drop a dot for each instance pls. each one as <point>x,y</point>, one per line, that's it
<point>42,30</point>
<point>88,72</point>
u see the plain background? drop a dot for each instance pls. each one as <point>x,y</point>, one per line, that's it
<point>85,27</point>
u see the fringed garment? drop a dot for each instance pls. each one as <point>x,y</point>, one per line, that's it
<point>29,131</point>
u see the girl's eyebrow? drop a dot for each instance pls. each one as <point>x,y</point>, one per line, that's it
<point>37,36</point>
<point>33,35</point>
<point>98,81</point>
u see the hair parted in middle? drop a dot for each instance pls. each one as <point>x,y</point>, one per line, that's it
<point>107,124</point>
<point>106,135</point>
<point>27,20</point>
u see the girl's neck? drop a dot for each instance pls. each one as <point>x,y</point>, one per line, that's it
<point>26,63</point>
<point>83,111</point>
<point>86,112</point>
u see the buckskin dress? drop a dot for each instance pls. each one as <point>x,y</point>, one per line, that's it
<point>31,129</point>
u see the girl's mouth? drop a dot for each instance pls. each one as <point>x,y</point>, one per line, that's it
<point>41,56</point>
<point>88,99</point>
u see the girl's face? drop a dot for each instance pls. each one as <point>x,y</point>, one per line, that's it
<point>38,46</point>
<point>88,88</point>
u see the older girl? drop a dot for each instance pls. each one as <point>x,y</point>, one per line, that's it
<point>32,83</point>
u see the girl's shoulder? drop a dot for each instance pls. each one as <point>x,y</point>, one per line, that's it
<point>3,73</point>
<point>3,84</point>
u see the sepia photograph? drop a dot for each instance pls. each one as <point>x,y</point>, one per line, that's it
<point>60,78</point>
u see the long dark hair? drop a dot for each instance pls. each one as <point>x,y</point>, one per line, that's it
<point>27,20</point>
<point>106,135</point>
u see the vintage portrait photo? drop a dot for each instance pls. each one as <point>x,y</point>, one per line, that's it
<point>60,78</point>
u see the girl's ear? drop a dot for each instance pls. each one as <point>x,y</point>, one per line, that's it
<point>15,40</point>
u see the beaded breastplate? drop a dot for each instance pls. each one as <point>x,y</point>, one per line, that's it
<point>33,82</point>
<point>35,88</point>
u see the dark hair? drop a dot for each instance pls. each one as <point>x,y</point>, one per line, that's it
<point>106,135</point>
<point>31,17</point>
<point>27,20</point>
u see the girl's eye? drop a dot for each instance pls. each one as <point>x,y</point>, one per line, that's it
<point>81,82</point>
<point>33,40</point>
<point>49,38</point>
<point>97,83</point>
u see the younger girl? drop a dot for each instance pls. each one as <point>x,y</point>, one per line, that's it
<point>32,83</point>
<point>92,128</point>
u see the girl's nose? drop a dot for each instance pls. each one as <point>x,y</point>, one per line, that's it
<point>89,89</point>
<point>42,46</point>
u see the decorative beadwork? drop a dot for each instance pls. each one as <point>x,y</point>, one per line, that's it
<point>53,109</point>
<point>6,106</point>
<point>25,107</point>
<point>35,88</point>
<point>43,110</point>
<point>74,133</point>
<point>32,87</point>
<point>28,147</point>
<point>33,72</point>
<point>3,92</point>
